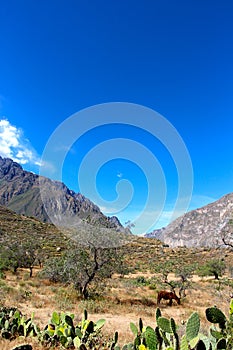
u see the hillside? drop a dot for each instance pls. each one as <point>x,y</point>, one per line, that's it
<point>136,250</point>
<point>119,300</point>
<point>206,226</point>
<point>16,227</point>
<point>21,191</point>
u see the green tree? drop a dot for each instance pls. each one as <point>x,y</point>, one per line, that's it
<point>15,254</point>
<point>183,271</point>
<point>82,265</point>
<point>215,267</point>
<point>185,274</point>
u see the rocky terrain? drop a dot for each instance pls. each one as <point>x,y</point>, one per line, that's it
<point>49,201</point>
<point>206,226</point>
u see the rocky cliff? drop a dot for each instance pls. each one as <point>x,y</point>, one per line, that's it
<point>206,226</point>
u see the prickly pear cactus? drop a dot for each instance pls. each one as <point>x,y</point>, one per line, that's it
<point>215,315</point>
<point>140,325</point>
<point>150,337</point>
<point>193,326</point>
<point>134,329</point>
<point>113,345</point>
<point>157,313</point>
<point>224,335</point>
<point>85,314</point>
<point>231,308</point>
<point>184,345</point>
<point>221,344</point>
<point>55,319</point>
<point>158,336</point>
<point>201,346</point>
<point>164,324</point>
<point>191,338</point>
<point>173,326</point>
<point>13,324</point>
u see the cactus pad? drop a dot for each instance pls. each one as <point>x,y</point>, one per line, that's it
<point>193,326</point>
<point>164,324</point>
<point>151,339</point>
<point>215,315</point>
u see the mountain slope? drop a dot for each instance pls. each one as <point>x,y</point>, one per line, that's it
<point>21,191</point>
<point>18,228</point>
<point>205,226</point>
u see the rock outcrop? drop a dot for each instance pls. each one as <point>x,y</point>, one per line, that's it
<point>206,226</point>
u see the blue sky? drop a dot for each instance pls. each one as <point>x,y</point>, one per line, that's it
<point>175,57</point>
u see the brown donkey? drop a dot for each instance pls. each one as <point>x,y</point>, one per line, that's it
<point>163,294</point>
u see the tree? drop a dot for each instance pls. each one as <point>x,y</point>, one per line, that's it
<point>16,254</point>
<point>54,269</point>
<point>129,225</point>
<point>215,267</point>
<point>82,265</point>
<point>164,269</point>
<point>227,233</point>
<point>183,271</point>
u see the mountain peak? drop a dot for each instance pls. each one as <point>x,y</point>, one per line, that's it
<point>205,226</point>
<point>21,191</point>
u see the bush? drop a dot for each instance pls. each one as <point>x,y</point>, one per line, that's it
<point>141,281</point>
<point>214,267</point>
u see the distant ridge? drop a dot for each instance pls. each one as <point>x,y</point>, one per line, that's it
<point>20,192</point>
<point>204,226</point>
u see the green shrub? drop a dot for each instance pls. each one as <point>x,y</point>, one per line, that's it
<point>141,281</point>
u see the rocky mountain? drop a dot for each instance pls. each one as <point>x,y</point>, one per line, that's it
<point>49,201</point>
<point>206,226</point>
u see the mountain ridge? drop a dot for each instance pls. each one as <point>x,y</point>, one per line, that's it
<point>205,226</point>
<point>21,191</point>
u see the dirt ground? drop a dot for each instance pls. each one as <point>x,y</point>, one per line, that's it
<point>119,305</point>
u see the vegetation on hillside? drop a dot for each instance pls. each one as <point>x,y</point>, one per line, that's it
<point>43,270</point>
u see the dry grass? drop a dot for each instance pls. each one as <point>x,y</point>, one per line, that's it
<point>123,301</point>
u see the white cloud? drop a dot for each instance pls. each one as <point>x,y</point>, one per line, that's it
<point>14,145</point>
<point>120,175</point>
